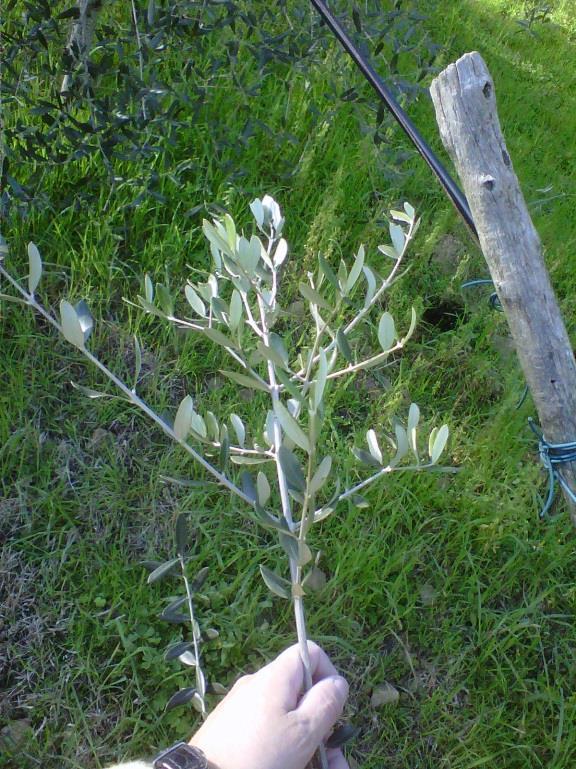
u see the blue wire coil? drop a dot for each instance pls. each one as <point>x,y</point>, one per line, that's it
<point>493,300</point>
<point>552,455</point>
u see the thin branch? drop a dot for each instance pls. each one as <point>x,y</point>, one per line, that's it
<point>295,569</point>
<point>151,12</point>
<point>368,363</point>
<point>194,626</point>
<point>365,310</point>
<point>274,394</point>
<point>384,471</point>
<point>140,56</point>
<point>185,324</point>
<point>132,397</point>
<point>251,321</point>
<point>386,283</point>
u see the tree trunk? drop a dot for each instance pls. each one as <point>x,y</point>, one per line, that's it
<point>80,41</point>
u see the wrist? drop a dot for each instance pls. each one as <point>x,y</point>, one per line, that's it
<point>197,745</point>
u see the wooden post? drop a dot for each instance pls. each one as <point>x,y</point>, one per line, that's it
<point>465,104</point>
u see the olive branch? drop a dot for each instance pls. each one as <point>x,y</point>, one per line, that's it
<point>281,473</point>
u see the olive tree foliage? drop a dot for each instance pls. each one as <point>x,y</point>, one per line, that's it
<point>280,469</point>
<point>116,85</point>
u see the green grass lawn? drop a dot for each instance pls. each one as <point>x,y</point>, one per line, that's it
<point>447,587</point>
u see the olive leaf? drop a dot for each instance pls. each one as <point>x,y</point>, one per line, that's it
<point>439,443</point>
<point>344,345</point>
<point>239,429</point>
<point>413,419</point>
<point>71,327</point>
<point>164,570</point>
<point>320,476</point>
<point>176,650</point>
<point>291,468</point>
<point>356,269</point>
<point>291,426</point>
<point>386,331</point>
<point>194,300</point>
<point>137,362</point>
<point>276,584</point>
<point>397,237</point>
<point>373,446</point>
<point>246,380</point>
<point>183,418</point>
<point>35,267</point>
<point>180,698</point>
<point>313,296</point>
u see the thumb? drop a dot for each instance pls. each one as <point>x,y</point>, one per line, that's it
<point>321,707</point>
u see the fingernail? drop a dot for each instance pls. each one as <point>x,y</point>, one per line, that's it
<point>341,685</point>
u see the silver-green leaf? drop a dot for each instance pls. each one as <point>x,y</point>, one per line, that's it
<point>246,380</point>
<point>257,211</point>
<point>373,446</point>
<point>439,444</point>
<point>344,345</point>
<point>276,584</point>
<point>386,331</point>
<point>183,418</point>
<point>401,216</point>
<point>85,319</point>
<point>235,310</point>
<point>239,429</point>
<point>137,362</point>
<point>198,425</point>
<point>217,336</point>
<point>402,445</point>
<point>389,251</point>
<point>413,419</point>
<point>397,236</point>
<point>356,269</point>
<point>292,470</point>
<point>148,289</point>
<point>371,285</point>
<point>291,427</point>
<point>181,697</point>
<point>281,252</point>
<point>71,327</point>
<point>410,211</point>
<point>263,488</point>
<point>313,296</point>
<point>35,267</point>
<point>164,570</point>
<point>194,300</point>
<point>321,474</point>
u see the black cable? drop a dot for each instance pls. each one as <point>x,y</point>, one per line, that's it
<point>450,187</point>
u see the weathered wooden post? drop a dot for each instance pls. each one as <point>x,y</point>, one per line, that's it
<point>465,104</point>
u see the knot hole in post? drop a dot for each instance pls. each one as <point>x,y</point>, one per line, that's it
<point>487,90</point>
<point>487,182</point>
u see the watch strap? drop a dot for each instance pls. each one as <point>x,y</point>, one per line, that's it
<point>181,756</point>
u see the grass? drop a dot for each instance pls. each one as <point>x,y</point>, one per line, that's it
<point>457,596</point>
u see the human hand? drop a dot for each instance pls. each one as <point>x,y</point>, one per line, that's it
<point>265,722</point>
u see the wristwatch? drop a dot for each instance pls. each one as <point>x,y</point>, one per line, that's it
<point>181,756</point>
